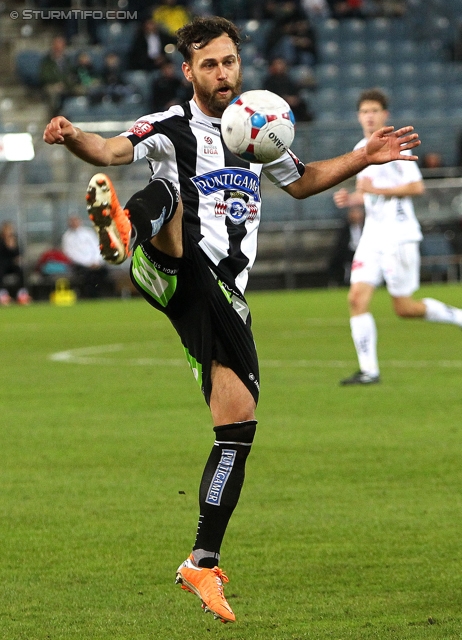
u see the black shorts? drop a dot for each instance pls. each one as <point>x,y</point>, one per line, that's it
<point>211,316</point>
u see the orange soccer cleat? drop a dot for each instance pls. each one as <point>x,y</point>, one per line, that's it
<point>109,219</point>
<point>207,584</point>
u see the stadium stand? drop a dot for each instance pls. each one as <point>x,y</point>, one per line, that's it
<point>413,58</point>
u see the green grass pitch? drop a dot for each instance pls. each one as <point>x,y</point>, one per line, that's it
<point>349,524</point>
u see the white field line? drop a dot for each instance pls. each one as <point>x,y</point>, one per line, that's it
<point>97,355</point>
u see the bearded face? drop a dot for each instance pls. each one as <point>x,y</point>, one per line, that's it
<point>215,72</point>
<point>216,99</point>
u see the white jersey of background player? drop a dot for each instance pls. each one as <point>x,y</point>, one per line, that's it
<point>388,250</point>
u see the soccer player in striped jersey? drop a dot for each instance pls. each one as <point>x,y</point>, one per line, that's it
<point>192,235</point>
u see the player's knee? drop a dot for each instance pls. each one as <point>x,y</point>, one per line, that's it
<point>355,302</point>
<point>406,308</point>
<point>238,432</point>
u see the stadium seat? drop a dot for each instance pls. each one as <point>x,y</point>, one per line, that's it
<point>379,51</point>
<point>380,74</point>
<point>353,51</point>
<point>351,29</point>
<point>325,146</point>
<point>454,111</point>
<point>255,32</point>
<point>349,100</point>
<point>28,67</point>
<point>249,52</point>
<point>436,112</point>
<point>38,171</point>
<point>454,95</point>
<point>405,73</point>
<point>406,51</point>
<point>327,75</point>
<point>75,108</point>
<point>354,74</point>
<point>378,29</point>
<point>431,72</point>
<point>404,96</point>
<point>253,77</point>
<point>117,36</point>
<point>329,51</point>
<point>436,244</point>
<point>328,30</point>
<point>433,95</point>
<point>142,81</point>
<point>325,98</point>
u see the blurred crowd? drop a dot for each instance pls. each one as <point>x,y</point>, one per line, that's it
<point>289,42</point>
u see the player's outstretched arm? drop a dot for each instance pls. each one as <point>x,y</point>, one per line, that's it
<point>383,146</point>
<point>90,147</point>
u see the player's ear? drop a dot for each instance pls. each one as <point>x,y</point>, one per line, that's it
<point>186,68</point>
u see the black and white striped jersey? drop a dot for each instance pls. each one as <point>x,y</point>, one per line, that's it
<point>220,192</point>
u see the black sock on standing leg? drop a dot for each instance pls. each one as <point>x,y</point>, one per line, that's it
<point>221,487</point>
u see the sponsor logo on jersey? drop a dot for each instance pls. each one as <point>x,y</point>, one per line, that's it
<point>237,206</point>
<point>209,148</point>
<point>229,178</point>
<point>140,129</point>
<point>220,477</point>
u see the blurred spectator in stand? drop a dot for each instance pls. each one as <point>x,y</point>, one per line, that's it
<point>171,15</point>
<point>11,265</point>
<point>345,247</point>
<point>432,165</point>
<point>80,244</point>
<point>54,262</point>
<point>55,74</point>
<point>85,78</point>
<point>147,49</point>
<point>72,27</point>
<point>316,9</point>
<point>389,8</point>
<point>279,81</point>
<point>236,10</point>
<point>113,87</point>
<point>292,36</point>
<point>346,8</point>
<point>165,89</point>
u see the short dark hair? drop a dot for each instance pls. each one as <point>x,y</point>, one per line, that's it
<point>376,95</point>
<point>201,31</point>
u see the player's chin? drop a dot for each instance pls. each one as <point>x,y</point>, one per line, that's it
<point>222,100</point>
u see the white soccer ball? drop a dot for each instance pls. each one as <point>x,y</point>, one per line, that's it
<point>258,126</point>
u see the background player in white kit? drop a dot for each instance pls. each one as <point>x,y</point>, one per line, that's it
<point>389,246</point>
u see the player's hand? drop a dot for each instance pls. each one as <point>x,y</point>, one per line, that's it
<point>58,130</point>
<point>341,198</point>
<point>365,185</point>
<point>386,144</point>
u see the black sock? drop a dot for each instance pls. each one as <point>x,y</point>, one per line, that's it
<point>151,208</point>
<point>221,486</point>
